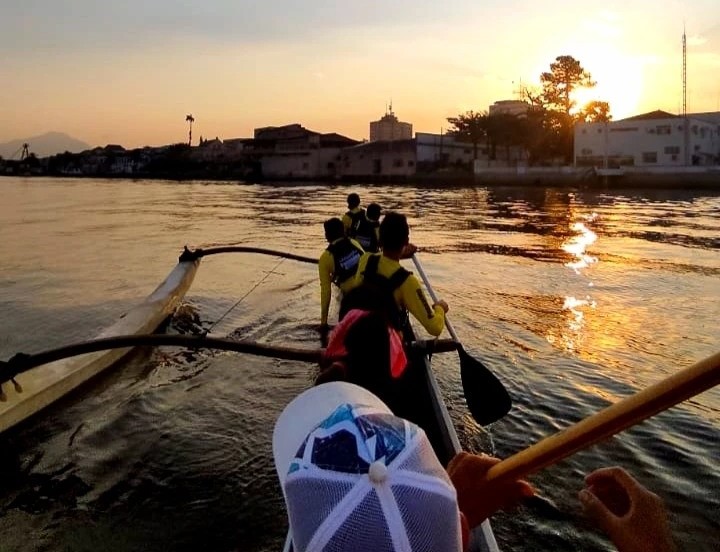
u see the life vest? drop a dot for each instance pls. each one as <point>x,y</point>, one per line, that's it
<point>366,234</point>
<point>376,293</point>
<point>346,256</point>
<point>355,219</point>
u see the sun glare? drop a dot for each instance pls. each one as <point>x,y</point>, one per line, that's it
<point>619,82</point>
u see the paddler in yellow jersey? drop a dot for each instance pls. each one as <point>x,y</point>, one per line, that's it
<point>354,215</point>
<point>395,243</point>
<point>337,265</point>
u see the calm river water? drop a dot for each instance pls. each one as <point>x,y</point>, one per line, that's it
<point>575,299</point>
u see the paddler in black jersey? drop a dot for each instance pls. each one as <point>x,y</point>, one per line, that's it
<point>368,231</point>
<point>337,264</point>
<point>385,269</point>
<point>354,215</point>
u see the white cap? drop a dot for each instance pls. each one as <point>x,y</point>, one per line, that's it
<point>356,477</point>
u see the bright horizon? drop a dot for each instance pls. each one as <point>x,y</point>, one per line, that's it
<point>129,73</point>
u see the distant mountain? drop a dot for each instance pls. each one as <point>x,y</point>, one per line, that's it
<point>44,145</point>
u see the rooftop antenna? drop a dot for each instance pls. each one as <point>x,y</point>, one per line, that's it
<point>518,92</point>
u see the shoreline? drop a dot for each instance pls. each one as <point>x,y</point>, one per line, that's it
<point>563,177</point>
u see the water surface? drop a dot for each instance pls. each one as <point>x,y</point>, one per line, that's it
<point>575,299</point>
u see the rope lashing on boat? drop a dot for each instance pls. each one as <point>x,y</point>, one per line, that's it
<point>22,362</point>
<point>192,255</point>
<point>272,271</point>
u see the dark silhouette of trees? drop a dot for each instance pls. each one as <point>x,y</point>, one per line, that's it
<point>546,130</point>
<point>594,112</point>
<point>565,76</point>
<point>470,127</point>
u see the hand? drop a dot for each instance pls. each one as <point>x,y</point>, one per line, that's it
<point>633,517</point>
<point>408,251</point>
<point>479,498</point>
<point>442,304</point>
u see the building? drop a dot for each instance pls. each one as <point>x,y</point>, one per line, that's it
<point>390,128</point>
<point>435,151</point>
<point>652,139</point>
<point>509,107</point>
<point>292,151</point>
<point>387,158</point>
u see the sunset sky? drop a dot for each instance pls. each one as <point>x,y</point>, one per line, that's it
<point>128,72</point>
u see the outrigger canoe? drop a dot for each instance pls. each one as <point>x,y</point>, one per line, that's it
<point>421,402</point>
<point>45,384</point>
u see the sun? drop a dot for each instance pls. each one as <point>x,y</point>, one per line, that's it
<point>619,82</point>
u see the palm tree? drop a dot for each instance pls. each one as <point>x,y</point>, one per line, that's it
<point>190,120</point>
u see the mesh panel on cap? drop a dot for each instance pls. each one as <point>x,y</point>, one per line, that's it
<point>365,529</point>
<point>423,460</point>
<point>431,520</point>
<point>309,502</point>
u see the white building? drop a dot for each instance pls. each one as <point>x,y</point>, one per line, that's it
<point>390,128</point>
<point>652,139</point>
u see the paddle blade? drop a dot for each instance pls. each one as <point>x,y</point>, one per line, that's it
<point>486,396</point>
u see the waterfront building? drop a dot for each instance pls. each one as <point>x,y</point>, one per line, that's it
<point>389,158</point>
<point>435,151</point>
<point>390,128</point>
<point>292,151</point>
<point>654,139</point>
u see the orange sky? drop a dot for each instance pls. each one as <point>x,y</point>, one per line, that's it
<point>129,73</point>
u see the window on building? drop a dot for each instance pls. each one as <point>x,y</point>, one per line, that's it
<point>599,131</point>
<point>624,129</point>
<point>584,131</point>
<point>672,150</point>
<point>663,129</point>
<point>649,157</point>
<point>306,166</point>
<point>586,151</point>
<point>411,163</point>
<point>398,163</point>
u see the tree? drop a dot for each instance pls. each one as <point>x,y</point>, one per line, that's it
<point>595,112</point>
<point>566,75</point>
<point>190,120</point>
<point>469,126</point>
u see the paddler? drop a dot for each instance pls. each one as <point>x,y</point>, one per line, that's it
<point>355,476</point>
<point>351,219</point>
<point>383,270</point>
<point>337,265</point>
<point>368,231</point>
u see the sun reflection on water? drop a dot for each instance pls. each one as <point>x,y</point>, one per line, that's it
<point>570,338</point>
<point>577,244</point>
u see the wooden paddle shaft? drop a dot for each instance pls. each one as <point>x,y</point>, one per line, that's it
<point>688,382</point>
<point>431,291</point>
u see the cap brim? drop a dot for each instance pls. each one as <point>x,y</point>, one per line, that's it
<point>307,411</point>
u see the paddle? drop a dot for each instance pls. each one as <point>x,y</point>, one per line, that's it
<point>691,381</point>
<point>486,396</point>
